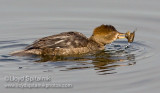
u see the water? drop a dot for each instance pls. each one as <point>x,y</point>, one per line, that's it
<point>121,68</point>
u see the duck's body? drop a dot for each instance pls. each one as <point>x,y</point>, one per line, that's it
<point>72,43</point>
<point>67,43</point>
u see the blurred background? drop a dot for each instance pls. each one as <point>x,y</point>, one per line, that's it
<point>23,21</point>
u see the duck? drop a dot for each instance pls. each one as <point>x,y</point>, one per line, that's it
<point>75,43</point>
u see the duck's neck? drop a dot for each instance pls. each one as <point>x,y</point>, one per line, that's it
<point>94,45</point>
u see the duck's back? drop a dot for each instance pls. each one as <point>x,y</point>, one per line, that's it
<point>64,41</point>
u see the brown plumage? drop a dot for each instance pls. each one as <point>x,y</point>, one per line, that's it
<point>105,34</point>
<point>73,43</point>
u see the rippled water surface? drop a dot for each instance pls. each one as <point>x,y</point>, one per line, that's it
<point>120,68</point>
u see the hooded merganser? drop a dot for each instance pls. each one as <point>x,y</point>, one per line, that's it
<point>73,43</point>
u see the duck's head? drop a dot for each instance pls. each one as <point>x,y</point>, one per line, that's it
<point>104,34</point>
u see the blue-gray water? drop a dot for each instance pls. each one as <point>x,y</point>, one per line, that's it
<point>116,70</point>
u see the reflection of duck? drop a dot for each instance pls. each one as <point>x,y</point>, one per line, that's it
<point>104,62</point>
<point>71,43</point>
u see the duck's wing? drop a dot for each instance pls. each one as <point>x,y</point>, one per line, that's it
<point>62,40</point>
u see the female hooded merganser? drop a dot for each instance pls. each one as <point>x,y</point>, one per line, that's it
<point>73,43</point>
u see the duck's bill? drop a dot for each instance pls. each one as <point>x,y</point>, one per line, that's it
<point>131,37</point>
